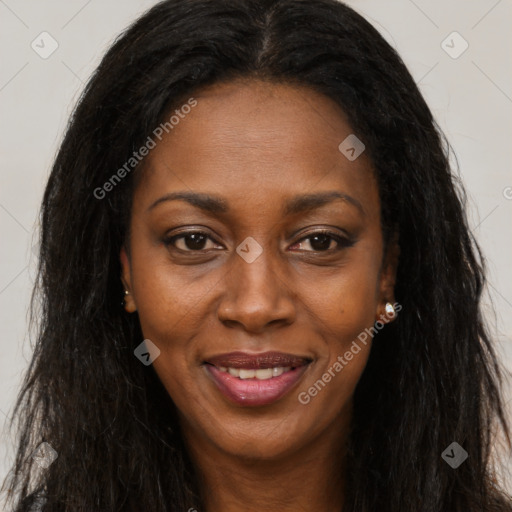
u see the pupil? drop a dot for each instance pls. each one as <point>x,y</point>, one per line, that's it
<point>325,242</point>
<point>195,241</point>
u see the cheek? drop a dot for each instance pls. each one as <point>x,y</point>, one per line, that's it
<point>163,308</point>
<point>169,302</point>
<point>341,361</point>
<point>344,302</point>
<point>173,311</point>
<point>345,307</point>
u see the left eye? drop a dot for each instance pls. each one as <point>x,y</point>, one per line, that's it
<point>322,242</point>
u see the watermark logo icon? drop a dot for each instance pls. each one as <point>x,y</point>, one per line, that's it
<point>249,249</point>
<point>351,147</point>
<point>146,352</point>
<point>454,45</point>
<point>454,455</point>
<point>44,455</point>
<point>44,45</point>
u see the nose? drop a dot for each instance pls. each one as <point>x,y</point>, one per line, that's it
<point>257,295</point>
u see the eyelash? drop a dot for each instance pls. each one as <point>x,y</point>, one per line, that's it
<point>343,242</point>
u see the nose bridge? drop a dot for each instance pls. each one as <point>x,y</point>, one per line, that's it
<point>256,292</point>
<point>257,278</point>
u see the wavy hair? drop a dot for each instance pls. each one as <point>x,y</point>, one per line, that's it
<point>432,377</point>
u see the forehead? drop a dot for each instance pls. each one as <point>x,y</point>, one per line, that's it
<point>258,142</point>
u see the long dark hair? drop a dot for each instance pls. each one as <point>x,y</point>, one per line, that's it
<point>432,378</point>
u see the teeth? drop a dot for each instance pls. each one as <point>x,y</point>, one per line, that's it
<point>277,371</point>
<point>260,374</point>
<point>264,374</point>
<point>247,374</point>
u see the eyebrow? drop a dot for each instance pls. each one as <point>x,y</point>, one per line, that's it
<point>308,202</point>
<point>295,205</point>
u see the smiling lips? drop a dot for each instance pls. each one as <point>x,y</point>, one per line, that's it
<point>255,379</point>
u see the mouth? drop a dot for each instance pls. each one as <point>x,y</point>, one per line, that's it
<point>255,379</point>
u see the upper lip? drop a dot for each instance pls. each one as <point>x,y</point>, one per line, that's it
<point>257,361</point>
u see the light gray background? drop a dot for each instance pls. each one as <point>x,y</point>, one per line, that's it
<point>470,96</point>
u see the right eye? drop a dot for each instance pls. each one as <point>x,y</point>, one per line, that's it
<point>191,241</point>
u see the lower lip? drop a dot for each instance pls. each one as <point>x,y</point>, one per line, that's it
<point>254,392</point>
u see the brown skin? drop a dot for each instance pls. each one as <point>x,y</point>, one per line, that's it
<point>257,145</point>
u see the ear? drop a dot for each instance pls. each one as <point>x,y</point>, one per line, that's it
<point>388,279</point>
<point>129,300</point>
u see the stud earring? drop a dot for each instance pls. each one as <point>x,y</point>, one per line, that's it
<point>390,309</point>
<point>123,302</point>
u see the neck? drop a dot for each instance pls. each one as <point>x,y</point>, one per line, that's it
<point>311,479</point>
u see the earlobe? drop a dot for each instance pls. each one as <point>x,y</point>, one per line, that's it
<point>128,300</point>
<point>387,309</point>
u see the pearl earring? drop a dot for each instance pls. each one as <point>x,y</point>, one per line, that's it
<point>390,309</point>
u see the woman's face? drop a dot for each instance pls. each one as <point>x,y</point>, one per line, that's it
<point>247,299</point>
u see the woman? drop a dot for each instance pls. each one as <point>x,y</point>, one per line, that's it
<point>265,187</point>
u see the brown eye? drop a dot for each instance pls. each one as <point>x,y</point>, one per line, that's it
<point>190,242</point>
<point>323,241</point>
